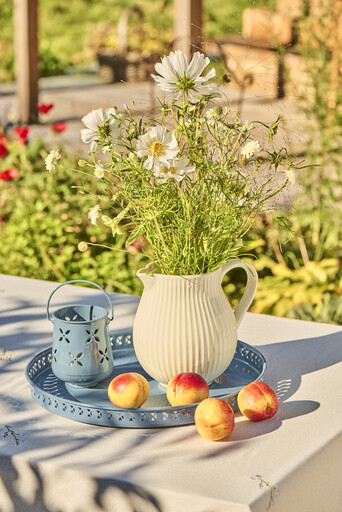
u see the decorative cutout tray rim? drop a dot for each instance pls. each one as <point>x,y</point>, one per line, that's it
<point>92,406</point>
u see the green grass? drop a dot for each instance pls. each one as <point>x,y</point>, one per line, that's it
<point>66,27</point>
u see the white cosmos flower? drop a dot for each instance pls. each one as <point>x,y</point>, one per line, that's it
<point>51,160</point>
<point>94,213</point>
<point>100,126</point>
<point>175,169</point>
<point>159,145</point>
<point>250,148</point>
<point>179,78</point>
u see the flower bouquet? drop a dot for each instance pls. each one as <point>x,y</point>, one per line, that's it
<point>189,182</point>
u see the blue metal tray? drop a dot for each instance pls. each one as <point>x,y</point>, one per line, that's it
<point>91,405</point>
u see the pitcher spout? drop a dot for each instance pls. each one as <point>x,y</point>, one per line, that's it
<point>146,276</point>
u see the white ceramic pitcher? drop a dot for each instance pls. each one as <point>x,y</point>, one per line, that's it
<point>186,323</point>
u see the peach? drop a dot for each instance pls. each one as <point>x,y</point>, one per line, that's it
<point>214,419</point>
<point>186,388</point>
<point>129,390</point>
<point>258,401</point>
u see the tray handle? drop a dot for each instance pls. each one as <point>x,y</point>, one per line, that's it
<point>78,281</point>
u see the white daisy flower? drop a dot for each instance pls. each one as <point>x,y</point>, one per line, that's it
<point>94,213</point>
<point>159,145</point>
<point>179,78</point>
<point>210,114</point>
<point>51,160</point>
<point>175,169</point>
<point>250,148</point>
<point>100,126</point>
<point>99,171</point>
<point>290,175</point>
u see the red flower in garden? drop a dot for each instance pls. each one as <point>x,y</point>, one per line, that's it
<point>3,148</point>
<point>44,108</point>
<point>22,132</point>
<point>59,127</point>
<point>9,174</point>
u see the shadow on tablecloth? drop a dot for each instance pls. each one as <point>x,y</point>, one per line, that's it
<point>288,361</point>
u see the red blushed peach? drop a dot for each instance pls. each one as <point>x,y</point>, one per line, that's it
<point>128,390</point>
<point>258,401</point>
<point>186,388</point>
<point>214,419</point>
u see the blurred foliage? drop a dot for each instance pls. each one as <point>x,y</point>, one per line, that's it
<point>300,269</point>
<point>43,219</point>
<point>66,28</point>
<point>329,311</point>
<point>144,39</point>
<point>298,277</point>
<point>299,274</point>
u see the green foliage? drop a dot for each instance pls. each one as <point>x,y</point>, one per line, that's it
<point>286,288</point>
<point>328,311</point>
<point>43,221</point>
<point>52,61</point>
<point>301,273</point>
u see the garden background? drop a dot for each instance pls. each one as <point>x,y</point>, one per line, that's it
<point>43,216</point>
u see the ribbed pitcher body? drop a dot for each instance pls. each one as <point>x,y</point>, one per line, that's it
<point>184,324</point>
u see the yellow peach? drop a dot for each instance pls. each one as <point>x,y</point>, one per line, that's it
<point>186,388</point>
<point>128,390</point>
<point>214,419</point>
<point>258,401</point>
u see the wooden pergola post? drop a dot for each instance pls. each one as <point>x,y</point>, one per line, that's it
<point>26,58</point>
<point>187,25</point>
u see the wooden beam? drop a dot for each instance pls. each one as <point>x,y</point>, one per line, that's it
<point>26,58</point>
<point>187,26</point>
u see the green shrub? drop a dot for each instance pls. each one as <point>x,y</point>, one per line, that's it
<point>43,221</point>
<point>329,311</point>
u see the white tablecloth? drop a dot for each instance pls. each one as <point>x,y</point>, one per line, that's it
<point>66,466</point>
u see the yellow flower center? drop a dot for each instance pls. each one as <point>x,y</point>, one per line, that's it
<point>157,148</point>
<point>172,170</point>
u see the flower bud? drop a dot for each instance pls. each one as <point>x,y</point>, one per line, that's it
<point>82,246</point>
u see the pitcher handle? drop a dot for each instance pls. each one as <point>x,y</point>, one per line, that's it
<point>250,290</point>
<point>79,281</point>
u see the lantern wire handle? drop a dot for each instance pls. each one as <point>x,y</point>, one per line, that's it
<point>79,281</point>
